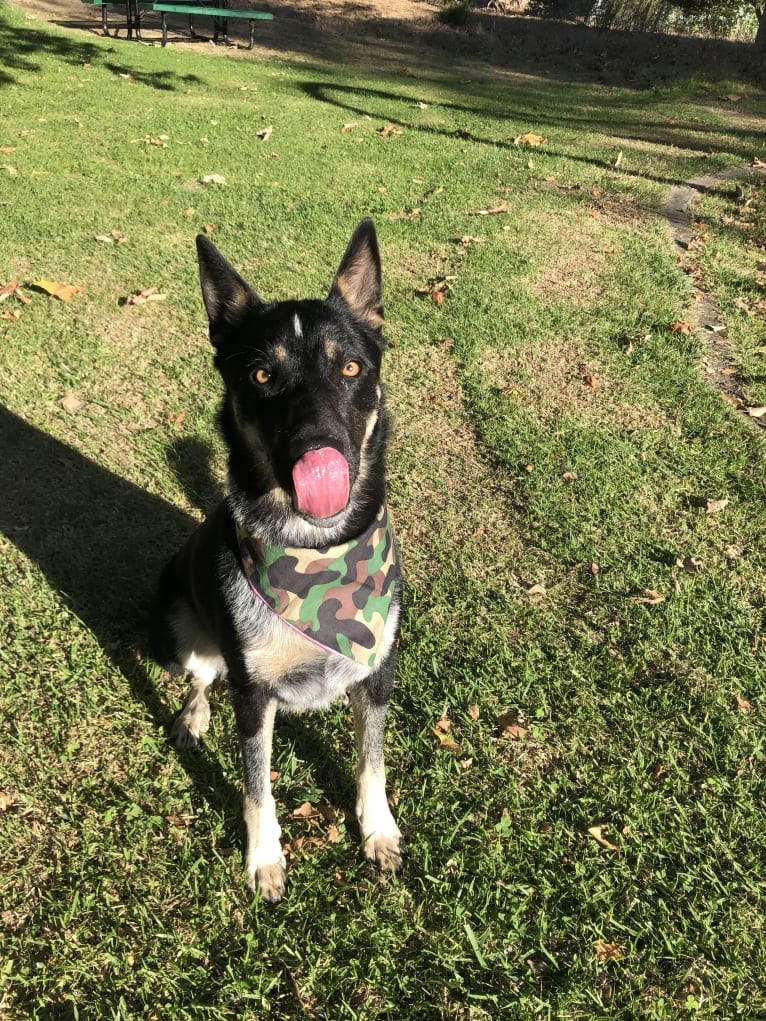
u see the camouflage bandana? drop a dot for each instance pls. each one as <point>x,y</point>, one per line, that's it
<point>338,597</point>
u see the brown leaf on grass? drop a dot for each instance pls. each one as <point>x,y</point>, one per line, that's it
<point>213,179</point>
<point>691,564</point>
<point>590,380</point>
<point>743,705</point>
<point>6,800</point>
<point>441,730</point>
<point>141,297</point>
<point>597,832</point>
<point>387,130</point>
<point>408,214</point>
<point>529,138</point>
<point>13,289</point>
<point>306,811</point>
<point>349,127</point>
<point>265,133</point>
<point>608,951</point>
<point>14,313</point>
<point>473,711</point>
<point>114,237</point>
<point>63,292</point>
<point>650,597</point>
<point>509,726</point>
<point>715,506</point>
<point>756,412</point>
<point>73,404</point>
<point>6,150</point>
<point>503,207</point>
<point>536,590</point>
<point>681,327</point>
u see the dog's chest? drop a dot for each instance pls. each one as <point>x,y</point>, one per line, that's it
<point>300,674</point>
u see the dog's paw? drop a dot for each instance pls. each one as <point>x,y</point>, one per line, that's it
<point>270,881</point>
<point>387,850</point>
<point>191,725</point>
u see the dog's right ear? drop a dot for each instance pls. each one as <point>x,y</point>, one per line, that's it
<point>226,295</point>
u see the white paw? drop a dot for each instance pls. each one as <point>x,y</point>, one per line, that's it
<point>386,850</point>
<point>270,881</point>
<point>190,726</point>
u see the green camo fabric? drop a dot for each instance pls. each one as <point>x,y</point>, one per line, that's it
<point>338,597</point>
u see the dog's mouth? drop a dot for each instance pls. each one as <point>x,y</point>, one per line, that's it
<point>321,482</point>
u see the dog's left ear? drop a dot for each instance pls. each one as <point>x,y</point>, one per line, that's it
<point>226,295</point>
<point>358,280</point>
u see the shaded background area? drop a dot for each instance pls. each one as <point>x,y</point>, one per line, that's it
<point>406,34</point>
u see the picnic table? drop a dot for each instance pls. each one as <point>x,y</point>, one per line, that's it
<point>216,9</point>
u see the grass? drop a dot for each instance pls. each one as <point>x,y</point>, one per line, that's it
<point>588,840</point>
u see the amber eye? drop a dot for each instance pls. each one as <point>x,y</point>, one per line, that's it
<point>260,376</point>
<point>352,369</point>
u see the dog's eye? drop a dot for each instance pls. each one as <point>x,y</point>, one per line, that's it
<point>260,376</point>
<point>352,369</point>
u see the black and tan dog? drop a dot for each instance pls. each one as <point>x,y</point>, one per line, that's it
<point>292,587</point>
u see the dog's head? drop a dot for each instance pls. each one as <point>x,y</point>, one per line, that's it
<point>304,412</point>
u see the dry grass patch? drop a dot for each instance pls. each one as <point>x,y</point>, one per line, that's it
<point>452,498</point>
<point>565,380</point>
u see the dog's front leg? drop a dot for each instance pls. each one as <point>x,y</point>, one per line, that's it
<point>381,840</point>
<point>266,866</point>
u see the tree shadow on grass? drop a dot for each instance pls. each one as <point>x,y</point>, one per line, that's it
<point>21,51</point>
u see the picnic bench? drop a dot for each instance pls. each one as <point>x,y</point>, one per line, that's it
<point>217,9</point>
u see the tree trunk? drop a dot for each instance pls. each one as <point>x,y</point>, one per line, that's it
<point>760,35</point>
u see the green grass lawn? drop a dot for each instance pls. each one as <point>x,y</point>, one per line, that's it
<point>576,745</point>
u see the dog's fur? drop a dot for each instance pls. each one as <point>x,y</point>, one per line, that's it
<point>206,619</point>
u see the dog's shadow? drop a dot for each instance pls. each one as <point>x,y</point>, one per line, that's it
<point>101,542</point>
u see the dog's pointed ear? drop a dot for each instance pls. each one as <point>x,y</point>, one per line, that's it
<point>226,295</point>
<point>358,280</point>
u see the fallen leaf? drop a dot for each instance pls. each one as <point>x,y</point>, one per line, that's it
<point>72,404</point>
<point>715,506</point>
<point>350,126</point>
<point>265,133</point>
<point>11,314</point>
<point>597,833</point>
<point>509,726</point>
<point>494,211</point>
<point>64,292</point>
<point>743,704</point>
<point>473,711</point>
<point>181,821</point>
<point>388,130</point>
<point>11,171</point>
<point>757,412</point>
<point>13,289</point>
<point>6,800</point>
<point>590,381</point>
<point>305,811</point>
<point>112,238</point>
<point>333,834</point>
<point>681,327</point>
<point>529,138</point>
<point>569,476</point>
<point>445,741</point>
<point>141,297</point>
<point>536,590</point>
<point>650,597</point>
<point>6,150</point>
<point>213,179</point>
<point>421,105</point>
<point>691,564</point>
<point>608,951</point>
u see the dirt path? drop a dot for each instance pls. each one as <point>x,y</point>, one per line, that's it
<point>721,368</point>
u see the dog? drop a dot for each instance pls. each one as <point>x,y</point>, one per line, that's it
<point>291,588</point>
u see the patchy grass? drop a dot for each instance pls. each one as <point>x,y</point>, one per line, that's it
<point>581,517</point>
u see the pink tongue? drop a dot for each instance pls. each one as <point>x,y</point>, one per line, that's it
<point>320,479</point>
